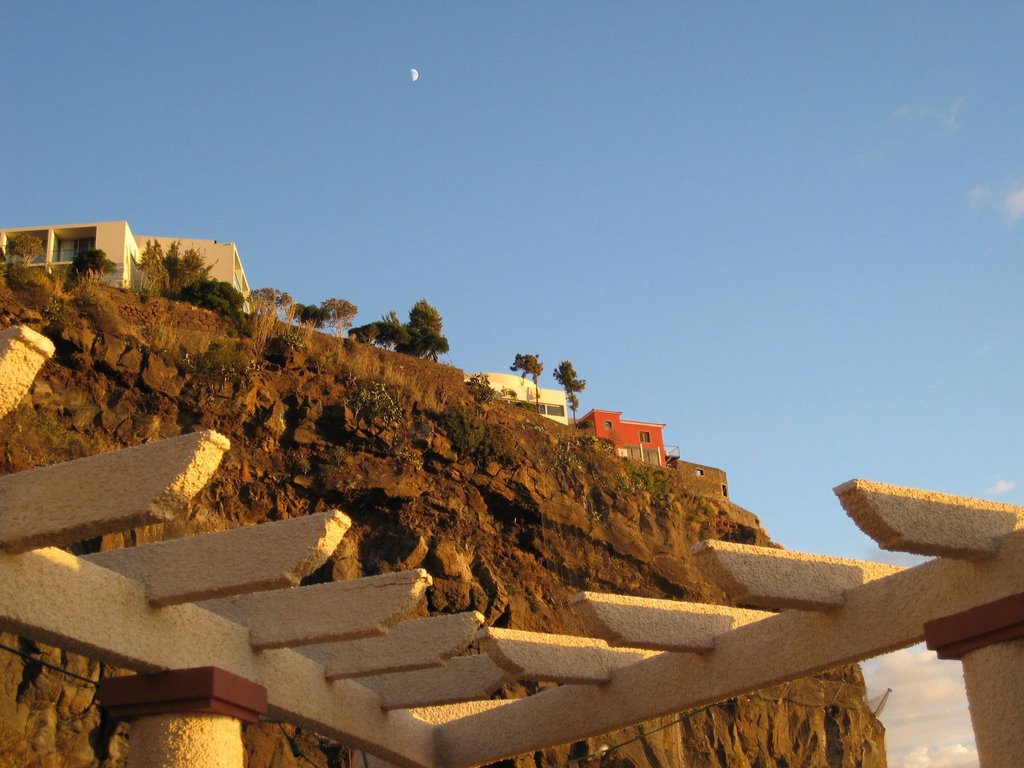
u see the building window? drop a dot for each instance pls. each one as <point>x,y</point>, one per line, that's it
<point>645,437</point>
<point>66,250</point>
<point>607,425</point>
<point>725,491</point>
<point>551,410</point>
<point>700,472</point>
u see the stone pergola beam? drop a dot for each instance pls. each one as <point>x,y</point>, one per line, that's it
<point>407,646</point>
<point>65,503</point>
<point>22,354</point>
<point>564,659</point>
<point>926,522</point>
<point>775,578</point>
<point>879,616</point>
<point>251,559</point>
<point>659,625</point>
<point>54,597</point>
<point>463,678</point>
<point>322,613</point>
<point>443,713</point>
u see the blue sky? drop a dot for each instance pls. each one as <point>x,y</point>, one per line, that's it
<point>795,233</point>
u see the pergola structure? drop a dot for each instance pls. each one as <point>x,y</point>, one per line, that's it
<point>221,633</point>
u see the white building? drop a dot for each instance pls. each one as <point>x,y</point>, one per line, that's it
<point>510,386</point>
<point>62,242</point>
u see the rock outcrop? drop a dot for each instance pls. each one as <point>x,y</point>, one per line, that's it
<point>511,513</point>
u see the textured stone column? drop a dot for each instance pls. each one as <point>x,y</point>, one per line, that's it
<point>196,741</point>
<point>989,642</point>
<point>188,718</point>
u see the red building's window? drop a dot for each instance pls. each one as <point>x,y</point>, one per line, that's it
<point>645,437</point>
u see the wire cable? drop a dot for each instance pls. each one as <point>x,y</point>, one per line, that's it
<point>642,735</point>
<point>48,665</point>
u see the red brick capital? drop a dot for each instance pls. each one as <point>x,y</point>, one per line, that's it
<point>206,690</point>
<point>997,622</point>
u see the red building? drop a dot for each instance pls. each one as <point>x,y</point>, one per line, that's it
<point>637,440</point>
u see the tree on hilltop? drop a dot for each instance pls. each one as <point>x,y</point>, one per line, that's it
<point>340,313</point>
<point>172,272</point>
<point>565,374</point>
<point>24,248</point>
<point>531,366</point>
<point>311,316</point>
<point>425,328</point>
<point>420,337</point>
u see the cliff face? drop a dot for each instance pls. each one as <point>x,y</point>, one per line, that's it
<point>511,514</point>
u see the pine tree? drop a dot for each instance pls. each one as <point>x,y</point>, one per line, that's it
<point>565,374</point>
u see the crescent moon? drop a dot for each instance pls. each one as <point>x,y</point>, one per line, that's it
<point>415,74</point>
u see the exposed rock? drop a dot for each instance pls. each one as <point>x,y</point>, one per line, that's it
<point>447,560</point>
<point>415,557</point>
<point>131,360</point>
<point>78,336</point>
<point>275,422</point>
<point>108,350</point>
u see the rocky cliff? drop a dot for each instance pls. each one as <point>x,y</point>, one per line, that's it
<point>511,514</point>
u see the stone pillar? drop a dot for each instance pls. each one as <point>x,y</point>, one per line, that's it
<point>989,642</point>
<point>186,718</point>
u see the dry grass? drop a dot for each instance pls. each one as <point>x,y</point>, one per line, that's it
<point>430,386</point>
<point>36,438</point>
<point>177,341</point>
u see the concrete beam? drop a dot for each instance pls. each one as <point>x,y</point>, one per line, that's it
<point>660,625</point>
<point>53,597</point>
<point>22,354</point>
<point>928,523</point>
<point>65,503</point>
<point>879,616</point>
<point>251,559</point>
<point>775,578</point>
<point>445,713</point>
<point>542,657</point>
<point>322,613</point>
<point>464,678</point>
<point>407,646</point>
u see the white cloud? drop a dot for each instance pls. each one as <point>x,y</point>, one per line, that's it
<point>1001,486</point>
<point>989,347</point>
<point>950,119</point>
<point>979,194</point>
<point>947,119</point>
<point>1014,204</point>
<point>926,719</point>
<point>952,756</point>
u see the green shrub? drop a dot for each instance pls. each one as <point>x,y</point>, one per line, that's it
<point>93,303</point>
<point>472,437</point>
<point>20,275</point>
<point>375,403</point>
<point>90,265</point>
<point>647,477</point>
<point>480,388</point>
<point>217,296</point>
<point>224,361</point>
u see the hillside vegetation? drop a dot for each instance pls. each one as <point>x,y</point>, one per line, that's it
<point>511,513</point>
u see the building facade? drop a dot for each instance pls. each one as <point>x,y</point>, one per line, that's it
<point>62,242</point>
<point>637,440</point>
<point>550,403</point>
<point>705,480</point>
